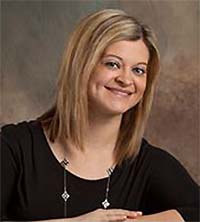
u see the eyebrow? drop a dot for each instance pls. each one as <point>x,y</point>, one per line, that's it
<point>118,57</point>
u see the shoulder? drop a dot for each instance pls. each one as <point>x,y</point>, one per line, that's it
<point>158,160</point>
<point>18,131</point>
<point>155,154</point>
<point>150,155</point>
<point>18,126</point>
<point>19,137</point>
<point>152,159</point>
<point>163,164</point>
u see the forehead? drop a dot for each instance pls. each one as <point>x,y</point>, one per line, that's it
<point>131,51</point>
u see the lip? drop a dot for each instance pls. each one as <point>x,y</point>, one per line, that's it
<point>119,91</point>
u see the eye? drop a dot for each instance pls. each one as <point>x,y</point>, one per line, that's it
<point>139,71</point>
<point>112,65</point>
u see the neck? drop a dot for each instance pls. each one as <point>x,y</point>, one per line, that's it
<point>102,133</point>
<point>99,139</point>
<point>99,143</point>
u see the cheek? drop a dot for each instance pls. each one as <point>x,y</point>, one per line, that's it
<point>141,85</point>
<point>99,79</point>
<point>95,83</point>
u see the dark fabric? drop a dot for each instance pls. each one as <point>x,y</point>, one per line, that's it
<point>32,181</point>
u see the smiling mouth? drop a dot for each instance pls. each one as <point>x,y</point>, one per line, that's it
<point>119,92</point>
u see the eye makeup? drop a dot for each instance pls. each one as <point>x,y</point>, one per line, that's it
<point>138,69</point>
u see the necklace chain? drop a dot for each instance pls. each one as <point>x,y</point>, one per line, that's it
<point>65,195</point>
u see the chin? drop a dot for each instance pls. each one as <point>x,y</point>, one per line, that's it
<point>111,108</point>
<point>117,111</point>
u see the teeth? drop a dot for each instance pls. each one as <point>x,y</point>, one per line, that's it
<point>119,92</point>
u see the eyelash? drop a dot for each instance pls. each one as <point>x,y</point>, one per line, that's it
<point>115,65</point>
<point>112,64</point>
<point>139,71</point>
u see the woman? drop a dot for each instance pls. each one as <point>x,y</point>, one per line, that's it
<point>85,158</point>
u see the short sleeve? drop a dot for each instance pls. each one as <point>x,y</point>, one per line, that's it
<point>8,170</point>
<point>171,186</point>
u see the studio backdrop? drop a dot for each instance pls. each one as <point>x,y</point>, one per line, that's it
<point>33,35</point>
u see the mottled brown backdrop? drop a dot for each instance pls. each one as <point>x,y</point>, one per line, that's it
<point>33,34</point>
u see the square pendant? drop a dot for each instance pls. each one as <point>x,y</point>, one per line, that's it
<point>105,203</point>
<point>65,196</point>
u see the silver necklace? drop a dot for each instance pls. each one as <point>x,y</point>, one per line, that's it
<point>65,195</point>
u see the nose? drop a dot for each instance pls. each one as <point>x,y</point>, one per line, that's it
<point>124,78</point>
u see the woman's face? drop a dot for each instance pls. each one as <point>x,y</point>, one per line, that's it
<point>119,80</point>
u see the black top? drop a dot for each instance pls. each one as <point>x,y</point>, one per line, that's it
<point>32,181</point>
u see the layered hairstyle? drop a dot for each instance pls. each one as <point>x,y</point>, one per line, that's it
<point>68,117</point>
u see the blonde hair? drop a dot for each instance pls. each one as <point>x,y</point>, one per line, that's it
<point>68,117</point>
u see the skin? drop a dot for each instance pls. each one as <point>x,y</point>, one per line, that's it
<point>101,215</point>
<point>117,84</point>
<point>123,67</point>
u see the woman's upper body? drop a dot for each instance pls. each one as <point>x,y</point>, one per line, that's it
<point>103,99</point>
<point>32,181</point>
